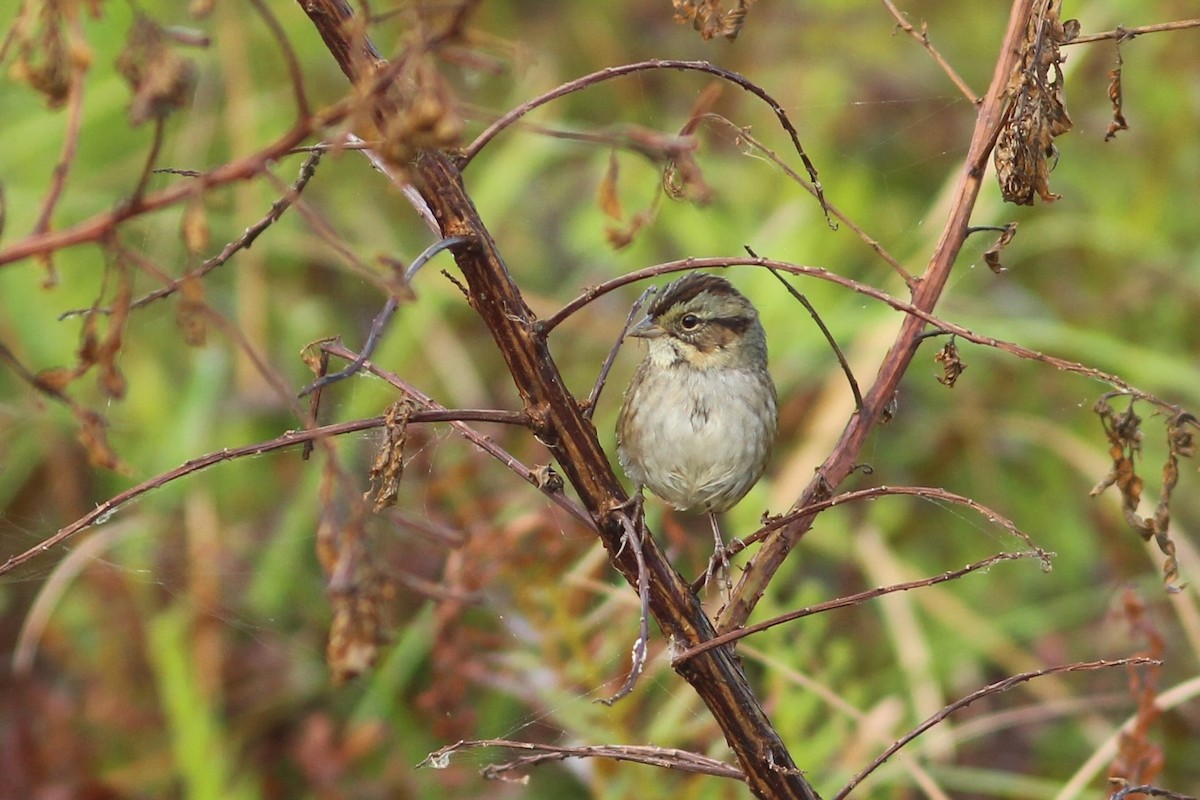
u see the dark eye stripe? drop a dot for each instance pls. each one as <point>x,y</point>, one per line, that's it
<point>737,325</point>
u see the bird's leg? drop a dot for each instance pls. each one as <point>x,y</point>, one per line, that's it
<point>718,565</point>
<point>632,504</point>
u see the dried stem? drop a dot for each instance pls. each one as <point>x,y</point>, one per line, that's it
<point>104,511</point>
<point>1125,34</point>
<point>994,688</point>
<point>846,602</point>
<point>627,69</point>
<point>922,36</point>
<point>656,756</point>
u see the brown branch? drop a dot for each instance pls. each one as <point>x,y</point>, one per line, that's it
<point>470,434</point>
<point>744,136</point>
<point>1125,34</point>
<point>307,170</point>
<point>994,688</point>
<point>941,326</point>
<point>594,78</point>
<point>922,36</point>
<point>841,461</point>
<point>104,511</point>
<point>846,602</point>
<point>99,226</point>
<point>669,758</point>
<point>557,420</point>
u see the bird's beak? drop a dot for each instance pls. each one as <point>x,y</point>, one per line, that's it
<point>646,329</point>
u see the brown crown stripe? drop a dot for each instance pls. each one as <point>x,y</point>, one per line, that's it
<point>687,287</point>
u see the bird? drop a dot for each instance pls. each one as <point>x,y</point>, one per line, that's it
<point>701,413</point>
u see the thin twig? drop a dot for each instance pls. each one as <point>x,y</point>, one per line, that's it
<point>922,36</point>
<point>844,602</point>
<point>743,135</point>
<point>479,440</point>
<point>295,74</point>
<point>926,492</point>
<point>628,69</point>
<point>243,242</point>
<point>633,537</point>
<point>594,397</point>
<point>135,199</point>
<point>942,326</point>
<point>1125,34</point>
<point>990,689</point>
<point>384,316</point>
<point>812,312</point>
<point>670,758</point>
<point>104,511</point>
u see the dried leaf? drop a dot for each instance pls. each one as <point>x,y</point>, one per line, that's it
<point>711,19</point>
<point>354,587</point>
<point>54,380</point>
<point>952,365</point>
<point>161,79</point>
<point>1116,98</point>
<point>623,237</point>
<point>356,598</point>
<point>194,226</point>
<point>315,357</point>
<point>388,468</point>
<point>992,256</point>
<point>1138,759</point>
<point>427,118</point>
<point>1125,438</point>
<point>548,479</point>
<point>94,438</point>
<point>610,203</point>
<point>1038,114</point>
<point>192,316</point>
<point>44,58</point>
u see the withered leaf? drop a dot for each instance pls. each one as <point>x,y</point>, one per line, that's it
<point>1125,438</point>
<point>623,237</point>
<point>315,357</point>
<point>991,256</point>
<point>388,468</point>
<point>54,380</point>
<point>161,79</point>
<point>194,226</point>
<point>610,203</point>
<point>710,18</point>
<point>1038,113</point>
<point>94,438</point>
<point>952,365</point>
<point>192,317</point>
<point>1115,97</point>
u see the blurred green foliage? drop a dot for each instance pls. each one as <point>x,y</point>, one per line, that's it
<point>178,649</point>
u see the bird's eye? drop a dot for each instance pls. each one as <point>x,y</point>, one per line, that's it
<point>690,322</point>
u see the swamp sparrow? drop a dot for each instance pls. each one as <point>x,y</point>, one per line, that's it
<point>700,415</point>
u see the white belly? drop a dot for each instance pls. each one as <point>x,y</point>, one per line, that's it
<point>708,439</point>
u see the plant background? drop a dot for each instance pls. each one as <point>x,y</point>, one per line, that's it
<point>183,642</point>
